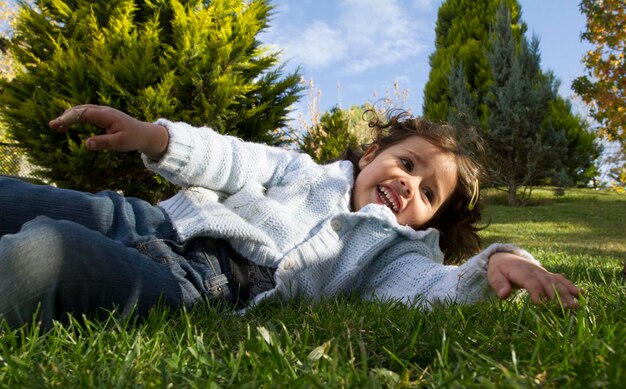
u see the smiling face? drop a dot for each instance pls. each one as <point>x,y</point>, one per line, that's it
<point>413,178</point>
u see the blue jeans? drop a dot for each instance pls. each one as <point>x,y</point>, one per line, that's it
<point>68,252</point>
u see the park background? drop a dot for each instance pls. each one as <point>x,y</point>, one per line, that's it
<point>364,47</point>
<point>351,54</point>
<point>342,342</point>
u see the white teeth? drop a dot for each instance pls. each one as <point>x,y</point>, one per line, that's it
<point>387,199</point>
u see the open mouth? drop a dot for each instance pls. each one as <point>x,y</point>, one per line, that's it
<point>388,198</point>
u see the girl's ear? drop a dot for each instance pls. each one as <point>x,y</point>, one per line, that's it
<point>369,156</point>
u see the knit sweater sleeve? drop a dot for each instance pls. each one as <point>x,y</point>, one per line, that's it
<point>199,156</point>
<point>429,283</point>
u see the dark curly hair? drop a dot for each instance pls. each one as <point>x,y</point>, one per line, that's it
<point>456,219</point>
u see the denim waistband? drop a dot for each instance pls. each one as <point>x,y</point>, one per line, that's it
<point>234,267</point>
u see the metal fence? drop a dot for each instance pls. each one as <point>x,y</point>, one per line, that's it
<point>13,162</point>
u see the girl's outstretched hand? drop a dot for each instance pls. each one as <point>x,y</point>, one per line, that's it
<point>123,132</point>
<point>507,270</point>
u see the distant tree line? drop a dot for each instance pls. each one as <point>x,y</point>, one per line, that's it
<point>200,62</point>
<point>486,71</point>
<point>486,74</point>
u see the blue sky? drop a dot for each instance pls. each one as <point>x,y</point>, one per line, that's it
<point>364,46</point>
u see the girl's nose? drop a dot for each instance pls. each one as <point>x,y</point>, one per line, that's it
<point>406,186</point>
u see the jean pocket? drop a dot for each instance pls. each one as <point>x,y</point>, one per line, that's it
<point>159,250</point>
<point>205,271</point>
<point>217,288</point>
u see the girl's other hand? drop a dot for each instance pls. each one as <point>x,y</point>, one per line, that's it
<point>507,270</point>
<point>123,132</point>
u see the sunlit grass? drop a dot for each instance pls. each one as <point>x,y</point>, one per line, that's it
<point>583,221</point>
<point>346,342</point>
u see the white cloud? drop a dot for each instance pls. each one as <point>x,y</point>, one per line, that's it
<point>364,35</point>
<point>378,33</point>
<point>423,4</point>
<point>317,46</point>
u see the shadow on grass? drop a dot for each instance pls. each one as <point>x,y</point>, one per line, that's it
<point>583,246</point>
<point>600,275</point>
<point>544,197</point>
<point>574,210</point>
<point>584,222</point>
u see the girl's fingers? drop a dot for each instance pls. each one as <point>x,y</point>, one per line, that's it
<point>122,132</point>
<point>67,118</point>
<point>113,141</point>
<point>571,287</point>
<point>552,287</point>
<point>565,296</point>
<point>500,284</point>
<point>86,113</point>
<point>558,288</point>
<point>541,285</point>
<point>537,295</point>
<point>99,142</point>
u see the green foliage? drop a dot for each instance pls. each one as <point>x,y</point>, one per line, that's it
<point>349,343</point>
<point>358,121</point>
<point>602,85</point>
<point>326,140</point>
<point>462,36</point>
<point>333,132</point>
<point>497,87</point>
<point>192,61</point>
<point>462,110</point>
<point>617,171</point>
<point>519,98</point>
<point>325,136</point>
<point>576,165</point>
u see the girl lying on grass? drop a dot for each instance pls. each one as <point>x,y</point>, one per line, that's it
<point>254,222</point>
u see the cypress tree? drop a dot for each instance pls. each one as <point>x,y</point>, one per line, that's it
<point>462,109</point>
<point>471,82</point>
<point>518,101</point>
<point>462,36</point>
<point>189,60</point>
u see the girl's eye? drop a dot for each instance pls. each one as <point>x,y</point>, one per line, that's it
<point>406,164</point>
<point>428,194</point>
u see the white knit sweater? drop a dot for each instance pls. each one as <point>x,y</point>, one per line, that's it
<point>280,209</point>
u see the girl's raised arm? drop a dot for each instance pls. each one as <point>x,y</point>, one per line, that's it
<point>123,132</point>
<point>182,154</point>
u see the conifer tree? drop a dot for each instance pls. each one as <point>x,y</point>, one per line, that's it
<point>580,145</point>
<point>327,139</point>
<point>462,108</point>
<point>189,60</point>
<point>462,36</point>
<point>519,99</point>
<point>461,86</point>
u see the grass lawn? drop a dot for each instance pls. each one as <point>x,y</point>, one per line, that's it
<point>349,343</point>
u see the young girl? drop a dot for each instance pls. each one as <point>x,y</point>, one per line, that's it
<point>253,222</point>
